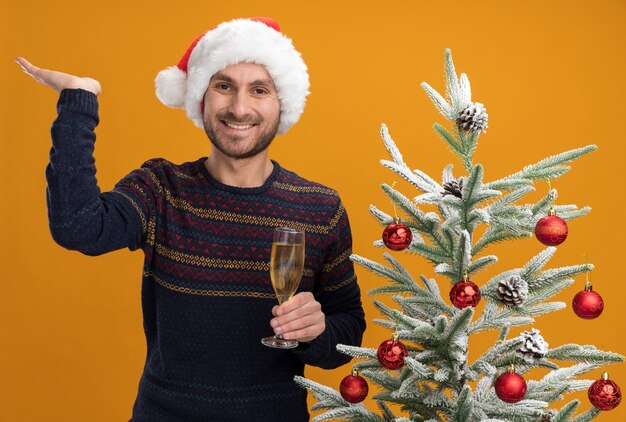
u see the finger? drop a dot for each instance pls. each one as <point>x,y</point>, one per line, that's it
<point>274,310</point>
<point>308,308</point>
<point>37,73</point>
<point>295,302</point>
<point>27,66</point>
<point>301,323</point>
<point>43,76</point>
<point>22,62</point>
<point>305,334</point>
<point>57,80</point>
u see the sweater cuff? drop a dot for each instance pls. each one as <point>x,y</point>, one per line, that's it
<point>79,102</point>
<point>317,349</point>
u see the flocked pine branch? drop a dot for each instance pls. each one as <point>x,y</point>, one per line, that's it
<point>458,98</point>
<point>548,168</point>
<point>444,218</point>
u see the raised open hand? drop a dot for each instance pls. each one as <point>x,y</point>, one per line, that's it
<point>58,80</point>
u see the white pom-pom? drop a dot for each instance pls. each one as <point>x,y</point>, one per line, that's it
<point>171,86</point>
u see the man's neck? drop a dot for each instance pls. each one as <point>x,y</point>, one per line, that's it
<point>244,173</point>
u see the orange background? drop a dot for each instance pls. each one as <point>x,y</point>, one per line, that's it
<point>551,75</point>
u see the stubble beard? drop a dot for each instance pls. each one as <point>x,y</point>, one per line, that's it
<point>260,144</point>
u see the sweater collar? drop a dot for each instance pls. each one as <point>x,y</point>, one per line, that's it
<point>236,189</point>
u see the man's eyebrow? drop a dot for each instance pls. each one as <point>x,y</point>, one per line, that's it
<point>263,82</point>
<point>222,77</point>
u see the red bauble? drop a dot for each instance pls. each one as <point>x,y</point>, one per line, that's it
<point>588,304</point>
<point>464,294</point>
<point>353,388</point>
<point>397,236</point>
<point>510,387</point>
<point>551,230</point>
<point>604,393</point>
<point>391,353</point>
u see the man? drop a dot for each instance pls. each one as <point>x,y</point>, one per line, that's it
<point>206,227</point>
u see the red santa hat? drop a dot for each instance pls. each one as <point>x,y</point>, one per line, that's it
<point>253,40</point>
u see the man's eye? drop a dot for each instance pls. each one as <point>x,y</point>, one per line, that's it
<point>222,86</point>
<point>260,91</point>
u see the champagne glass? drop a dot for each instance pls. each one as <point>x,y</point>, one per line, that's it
<point>286,265</point>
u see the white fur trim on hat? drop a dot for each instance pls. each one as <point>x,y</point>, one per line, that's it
<point>171,86</point>
<point>233,42</point>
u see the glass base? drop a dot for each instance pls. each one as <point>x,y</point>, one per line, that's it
<point>278,342</point>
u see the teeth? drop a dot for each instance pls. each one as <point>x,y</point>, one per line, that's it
<point>238,127</point>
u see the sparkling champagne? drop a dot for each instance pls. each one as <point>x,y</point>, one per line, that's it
<point>287,263</point>
<point>286,266</point>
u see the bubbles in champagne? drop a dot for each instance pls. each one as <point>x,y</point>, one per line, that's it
<point>286,268</point>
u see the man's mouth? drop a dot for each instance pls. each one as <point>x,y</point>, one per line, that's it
<point>237,126</point>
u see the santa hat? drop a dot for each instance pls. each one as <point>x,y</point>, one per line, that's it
<point>254,40</point>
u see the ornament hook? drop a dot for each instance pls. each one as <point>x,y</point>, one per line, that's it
<point>395,336</point>
<point>552,211</point>
<point>395,211</point>
<point>588,284</point>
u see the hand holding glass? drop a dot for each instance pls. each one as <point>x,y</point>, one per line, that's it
<point>286,265</point>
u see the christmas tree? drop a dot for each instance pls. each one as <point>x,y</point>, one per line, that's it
<point>424,369</point>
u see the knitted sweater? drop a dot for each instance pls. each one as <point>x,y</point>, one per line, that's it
<point>206,292</point>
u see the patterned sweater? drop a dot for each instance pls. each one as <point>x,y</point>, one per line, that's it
<point>206,291</point>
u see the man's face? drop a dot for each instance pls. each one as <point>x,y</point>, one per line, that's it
<point>241,110</point>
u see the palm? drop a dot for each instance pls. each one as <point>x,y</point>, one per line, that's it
<point>58,80</point>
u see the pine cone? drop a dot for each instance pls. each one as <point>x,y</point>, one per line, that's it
<point>548,415</point>
<point>534,347</point>
<point>513,291</point>
<point>473,118</point>
<point>454,187</point>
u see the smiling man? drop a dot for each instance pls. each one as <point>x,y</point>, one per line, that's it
<point>205,227</point>
<point>241,105</point>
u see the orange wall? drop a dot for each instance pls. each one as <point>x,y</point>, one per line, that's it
<point>551,75</point>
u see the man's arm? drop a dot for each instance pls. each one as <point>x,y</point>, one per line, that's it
<point>80,217</point>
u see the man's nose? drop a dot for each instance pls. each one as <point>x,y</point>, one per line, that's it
<point>241,103</point>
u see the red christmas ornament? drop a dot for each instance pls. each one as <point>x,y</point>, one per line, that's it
<point>464,294</point>
<point>397,236</point>
<point>588,304</point>
<point>353,388</point>
<point>391,353</point>
<point>510,387</point>
<point>551,230</point>
<point>604,393</point>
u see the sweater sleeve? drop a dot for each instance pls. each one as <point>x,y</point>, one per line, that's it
<point>80,216</point>
<point>339,294</point>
